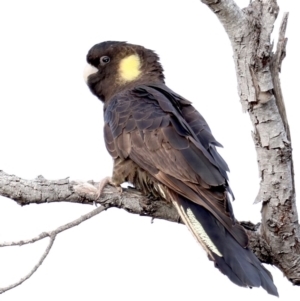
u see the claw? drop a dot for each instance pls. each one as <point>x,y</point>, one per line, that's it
<point>104,182</point>
<point>89,189</point>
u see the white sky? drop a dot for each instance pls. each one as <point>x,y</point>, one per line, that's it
<point>52,125</point>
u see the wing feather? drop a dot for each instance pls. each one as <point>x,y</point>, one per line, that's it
<point>159,139</point>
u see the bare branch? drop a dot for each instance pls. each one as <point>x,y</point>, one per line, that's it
<point>257,243</point>
<point>257,70</point>
<point>131,200</point>
<point>52,235</point>
<point>40,190</point>
<point>41,260</point>
<point>58,230</point>
<point>229,14</point>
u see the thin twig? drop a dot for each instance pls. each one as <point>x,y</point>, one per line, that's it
<point>58,230</point>
<point>52,234</point>
<point>45,254</point>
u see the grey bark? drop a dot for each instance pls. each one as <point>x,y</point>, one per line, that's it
<point>276,239</point>
<point>257,70</point>
<point>41,191</point>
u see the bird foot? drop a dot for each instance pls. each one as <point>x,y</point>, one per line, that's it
<point>104,182</point>
<point>87,189</point>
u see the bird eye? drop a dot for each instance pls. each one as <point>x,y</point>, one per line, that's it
<point>104,60</point>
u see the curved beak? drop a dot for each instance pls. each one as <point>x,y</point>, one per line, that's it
<point>88,70</point>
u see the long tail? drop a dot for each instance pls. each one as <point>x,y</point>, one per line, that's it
<point>239,264</point>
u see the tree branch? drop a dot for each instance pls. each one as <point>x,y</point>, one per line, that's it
<point>58,230</point>
<point>229,14</point>
<point>52,235</point>
<point>26,277</point>
<point>40,190</point>
<point>257,69</point>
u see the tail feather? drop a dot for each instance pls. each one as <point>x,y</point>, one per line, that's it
<point>239,264</point>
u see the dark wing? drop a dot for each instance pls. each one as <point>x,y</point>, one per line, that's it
<point>145,126</point>
<point>164,135</point>
<point>198,125</point>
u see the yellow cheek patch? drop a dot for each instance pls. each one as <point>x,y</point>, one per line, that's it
<point>129,68</point>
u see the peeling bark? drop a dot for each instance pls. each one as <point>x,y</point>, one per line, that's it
<point>257,70</point>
